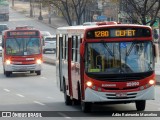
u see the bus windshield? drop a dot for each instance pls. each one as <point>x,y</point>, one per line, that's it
<point>22,46</point>
<point>119,57</point>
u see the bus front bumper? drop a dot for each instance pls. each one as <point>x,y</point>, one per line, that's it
<point>22,68</point>
<point>95,96</point>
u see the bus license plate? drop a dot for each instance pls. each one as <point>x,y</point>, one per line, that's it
<point>122,94</point>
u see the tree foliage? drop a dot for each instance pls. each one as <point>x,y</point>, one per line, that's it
<point>141,11</point>
<point>72,10</point>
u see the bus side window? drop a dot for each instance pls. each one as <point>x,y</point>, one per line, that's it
<point>74,48</point>
<point>57,46</point>
<point>78,48</point>
<point>64,47</point>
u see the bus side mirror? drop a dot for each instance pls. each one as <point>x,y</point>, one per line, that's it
<point>2,44</point>
<point>82,49</point>
<point>43,43</point>
<point>156,51</point>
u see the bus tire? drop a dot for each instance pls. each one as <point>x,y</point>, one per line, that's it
<point>67,99</point>
<point>78,101</point>
<point>140,105</point>
<point>38,72</point>
<point>8,73</point>
<point>86,107</point>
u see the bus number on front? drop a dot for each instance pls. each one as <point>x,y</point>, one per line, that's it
<point>125,33</point>
<point>131,84</point>
<point>101,34</point>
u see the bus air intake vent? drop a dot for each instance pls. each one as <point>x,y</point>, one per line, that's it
<point>122,96</point>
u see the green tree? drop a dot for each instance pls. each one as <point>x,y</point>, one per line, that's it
<point>139,10</point>
<point>72,10</point>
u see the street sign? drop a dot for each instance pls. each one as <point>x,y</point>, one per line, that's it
<point>95,17</point>
<point>102,17</point>
<point>155,25</point>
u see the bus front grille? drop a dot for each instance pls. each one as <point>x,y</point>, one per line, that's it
<point>121,95</point>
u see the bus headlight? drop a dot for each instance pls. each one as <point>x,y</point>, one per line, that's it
<point>8,62</point>
<point>151,82</point>
<point>89,83</point>
<point>39,61</point>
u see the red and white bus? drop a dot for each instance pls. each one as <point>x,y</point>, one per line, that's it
<point>105,63</point>
<point>22,50</point>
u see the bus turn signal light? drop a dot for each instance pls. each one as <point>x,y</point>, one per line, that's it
<point>89,84</point>
<point>151,82</point>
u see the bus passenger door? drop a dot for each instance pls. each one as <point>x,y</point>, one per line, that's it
<point>59,62</point>
<point>70,66</point>
<point>75,65</point>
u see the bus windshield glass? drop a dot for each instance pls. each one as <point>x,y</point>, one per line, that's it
<point>119,57</point>
<point>22,46</point>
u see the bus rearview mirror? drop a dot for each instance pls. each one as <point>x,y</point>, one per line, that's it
<point>156,52</point>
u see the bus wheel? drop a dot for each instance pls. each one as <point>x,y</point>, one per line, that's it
<point>78,102</point>
<point>140,105</point>
<point>8,73</point>
<point>67,99</point>
<point>86,106</point>
<point>38,72</point>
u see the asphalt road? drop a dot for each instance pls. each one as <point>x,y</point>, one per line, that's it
<point>29,92</point>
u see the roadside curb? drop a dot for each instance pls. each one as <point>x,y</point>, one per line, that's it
<point>49,61</point>
<point>157,83</point>
<point>157,80</point>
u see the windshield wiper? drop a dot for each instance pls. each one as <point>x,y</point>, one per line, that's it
<point>17,43</point>
<point>27,43</point>
<point>108,49</point>
<point>130,49</point>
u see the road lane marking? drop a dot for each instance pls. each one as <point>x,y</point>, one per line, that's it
<point>154,104</point>
<point>20,95</point>
<point>44,78</point>
<point>50,98</point>
<point>6,90</point>
<point>38,103</point>
<point>64,115</point>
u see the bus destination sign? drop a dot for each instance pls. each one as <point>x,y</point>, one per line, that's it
<point>22,33</point>
<point>114,33</point>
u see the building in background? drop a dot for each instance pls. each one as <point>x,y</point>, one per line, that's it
<point>107,10</point>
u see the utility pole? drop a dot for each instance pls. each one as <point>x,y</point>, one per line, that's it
<point>40,10</point>
<point>31,9</point>
<point>49,13</point>
<point>12,3</point>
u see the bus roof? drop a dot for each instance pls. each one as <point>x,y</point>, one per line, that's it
<point>21,31</point>
<point>79,30</point>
